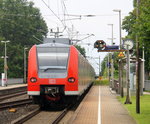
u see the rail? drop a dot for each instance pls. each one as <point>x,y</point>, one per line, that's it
<point>26,117</point>
<point>71,107</point>
<point>15,103</point>
<point>60,116</point>
<point>3,97</point>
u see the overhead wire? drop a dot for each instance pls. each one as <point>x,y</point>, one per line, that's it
<point>66,14</point>
<point>58,8</point>
<point>54,14</point>
<point>65,11</point>
<point>51,10</point>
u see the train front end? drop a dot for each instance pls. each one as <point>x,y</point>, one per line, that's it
<point>52,72</point>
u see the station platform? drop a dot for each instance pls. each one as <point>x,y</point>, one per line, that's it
<point>100,106</point>
<point>12,86</point>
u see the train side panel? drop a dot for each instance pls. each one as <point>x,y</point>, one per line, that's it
<point>86,74</point>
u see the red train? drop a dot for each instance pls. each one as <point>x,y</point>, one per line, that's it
<point>57,73</point>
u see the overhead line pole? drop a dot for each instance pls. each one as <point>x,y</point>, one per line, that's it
<point>99,66</point>
<point>25,66</point>
<point>109,70</point>
<point>112,61</point>
<point>137,65</point>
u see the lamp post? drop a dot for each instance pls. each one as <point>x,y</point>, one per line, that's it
<point>5,62</point>
<point>119,11</point>
<point>25,66</point>
<point>112,59</point>
<point>120,61</point>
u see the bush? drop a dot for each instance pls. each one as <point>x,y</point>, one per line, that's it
<point>101,82</point>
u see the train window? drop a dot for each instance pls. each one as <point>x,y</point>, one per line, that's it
<point>52,61</point>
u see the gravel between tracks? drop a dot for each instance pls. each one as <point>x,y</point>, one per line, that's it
<point>6,117</point>
<point>25,96</point>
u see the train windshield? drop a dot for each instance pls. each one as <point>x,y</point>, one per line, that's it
<point>52,62</point>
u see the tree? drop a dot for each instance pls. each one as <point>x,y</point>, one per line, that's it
<point>141,27</point>
<point>19,22</point>
<point>128,25</point>
<point>144,30</point>
<point>105,61</point>
<point>81,50</point>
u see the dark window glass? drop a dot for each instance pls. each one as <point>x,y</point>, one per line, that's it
<point>52,62</point>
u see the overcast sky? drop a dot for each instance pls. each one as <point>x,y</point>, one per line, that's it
<point>97,25</point>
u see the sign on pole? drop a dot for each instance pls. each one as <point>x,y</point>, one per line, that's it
<point>121,55</point>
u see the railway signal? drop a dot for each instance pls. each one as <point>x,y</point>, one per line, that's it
<point>102,47</point>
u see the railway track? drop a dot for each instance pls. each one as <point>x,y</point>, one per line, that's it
<point>26,117</point>
<point>47,117</point>
<point>15,103</point>
<point>60,116</point>
<point>7,96</point>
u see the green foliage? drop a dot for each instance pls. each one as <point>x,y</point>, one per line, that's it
<point>104,64</point>
<point>144,116</point>
<point>141,27</point>
<point>81,50</point>
<point>19,22</point>
<point>144,30</point>
<point>15,60</point>
<point>128,25</point>
<point>101,82</point>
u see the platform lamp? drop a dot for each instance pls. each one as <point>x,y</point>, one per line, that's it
<point>119,11</point>
<point>120,61</point>
<point>5,61</point>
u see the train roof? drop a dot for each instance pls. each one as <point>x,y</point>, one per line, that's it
<point>53,45</point>
<point>57,40</point>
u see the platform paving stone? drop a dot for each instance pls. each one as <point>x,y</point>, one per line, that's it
<point>112,111</point>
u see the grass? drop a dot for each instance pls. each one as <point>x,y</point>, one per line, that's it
<point>144,116</point>
<point>101,82</point>
<point>147,91</point>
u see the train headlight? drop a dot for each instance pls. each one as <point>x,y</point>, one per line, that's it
<point>71,79</point>
<point>33,79</point>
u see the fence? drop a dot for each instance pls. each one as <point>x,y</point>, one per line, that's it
<point>13,81</point>
<point>147,85</point>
